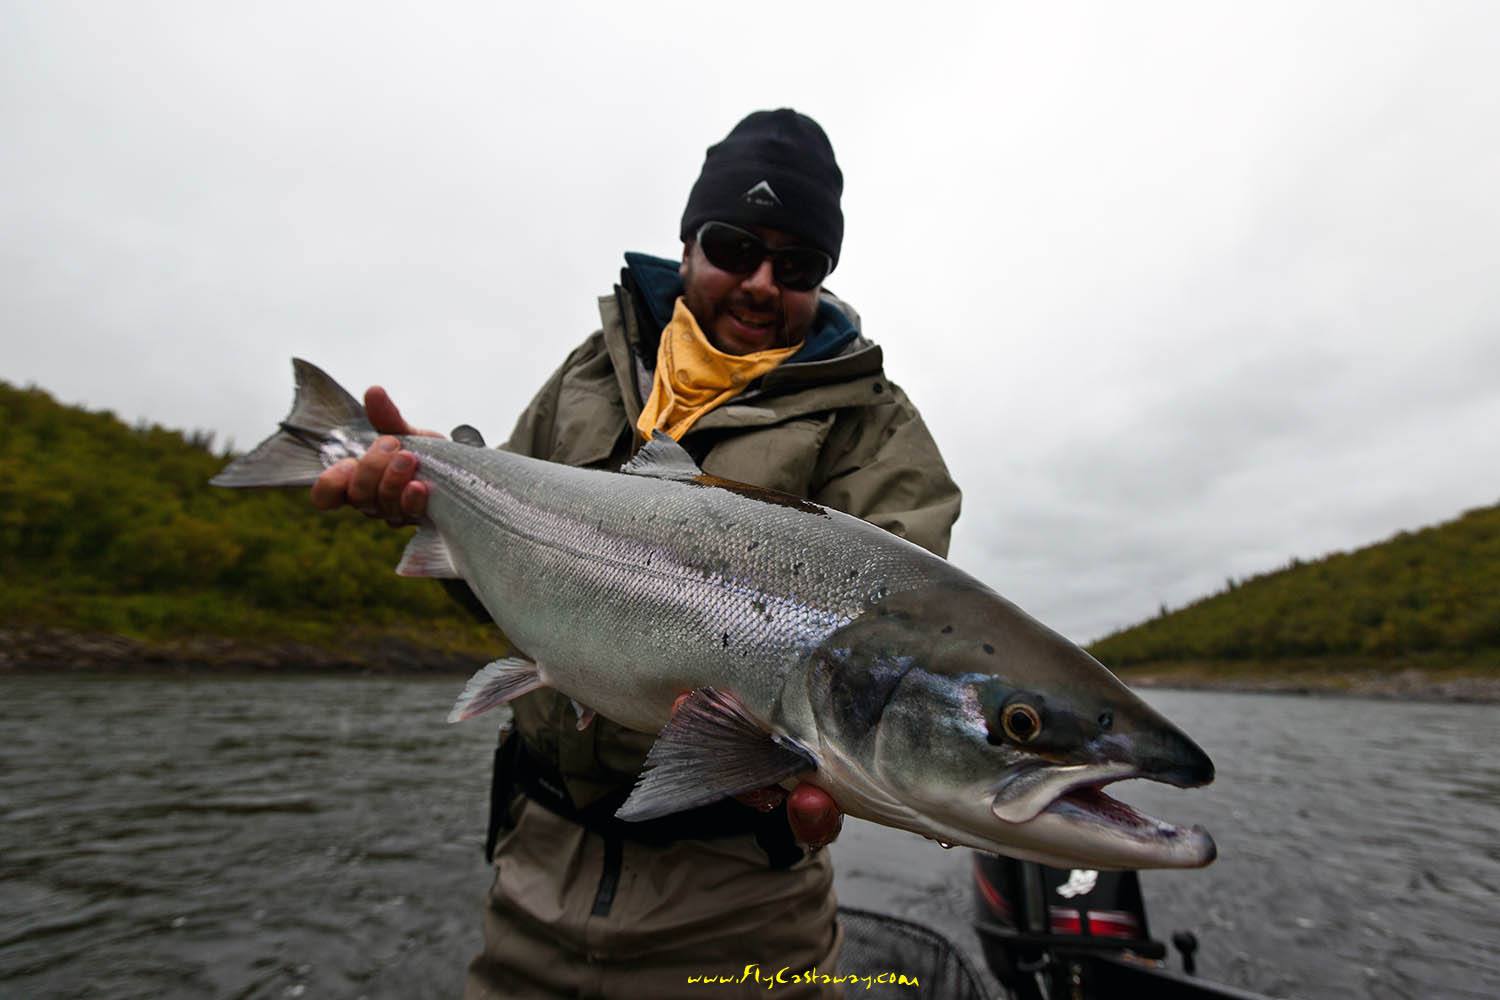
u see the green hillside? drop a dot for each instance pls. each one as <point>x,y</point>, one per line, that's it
<point>108,530</point>
<point>112,529</point>
<point>1427,599</point>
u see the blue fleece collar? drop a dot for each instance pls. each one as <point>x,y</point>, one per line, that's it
<point>661,283</point>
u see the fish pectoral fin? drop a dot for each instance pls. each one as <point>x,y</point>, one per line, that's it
<point>427,555</point>
<point>710,749</point>
<point>495,684</point>
<point>663,458</point>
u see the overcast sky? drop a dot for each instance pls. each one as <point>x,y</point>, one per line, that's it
<point>1183,289</point>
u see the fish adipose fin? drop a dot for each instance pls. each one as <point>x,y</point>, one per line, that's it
<point>710,749</point>
<point>468,434</point>
<point>496,684</point>
<point>427,555</point>
<point>325,425</point>
<point>662,458</point>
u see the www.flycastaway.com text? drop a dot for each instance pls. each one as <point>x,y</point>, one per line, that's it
<point>786,977</point>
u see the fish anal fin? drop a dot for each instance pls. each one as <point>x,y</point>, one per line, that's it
<point>710,749</point>
<point>495,684</point>
<point>585,714</point>
<point>427,555</point>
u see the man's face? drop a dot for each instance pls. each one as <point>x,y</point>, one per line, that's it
<point>745,313</point>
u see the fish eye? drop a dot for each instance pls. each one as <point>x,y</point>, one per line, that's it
<point>1021,722</point>
<point>1106,720</point>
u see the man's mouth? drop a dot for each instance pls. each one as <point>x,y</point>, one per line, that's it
<point>756,321</point>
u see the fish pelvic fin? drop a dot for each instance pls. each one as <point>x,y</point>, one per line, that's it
<point>710,749</point>
<point>495,684</point>
<point>427,554</point>
<point>325,425</point>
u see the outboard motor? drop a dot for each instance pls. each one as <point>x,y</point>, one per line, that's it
<point>1026,911</point>
<point>1054,934</point>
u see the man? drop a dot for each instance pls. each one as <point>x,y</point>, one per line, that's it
<point>764,378</point>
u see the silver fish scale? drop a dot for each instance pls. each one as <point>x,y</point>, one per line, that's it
<point>624,585</point>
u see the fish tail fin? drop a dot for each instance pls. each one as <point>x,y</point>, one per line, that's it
<point>326,424</point>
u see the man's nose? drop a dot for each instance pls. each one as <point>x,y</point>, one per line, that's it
<point>761,282</point>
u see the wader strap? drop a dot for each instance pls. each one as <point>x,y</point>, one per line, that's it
<point>519,768</point>
<point>609,876</point>
<point>502,791</point>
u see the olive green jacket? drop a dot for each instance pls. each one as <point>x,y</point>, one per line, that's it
<point>835,431</point>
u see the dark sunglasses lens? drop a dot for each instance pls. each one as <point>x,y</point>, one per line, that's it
<point>799,269</point>
<point>738,252</point>
<point>731,250</point>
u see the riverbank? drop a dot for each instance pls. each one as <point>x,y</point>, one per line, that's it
<point>50,650</point>
<point>1401,680</point>
<point>53,650</point>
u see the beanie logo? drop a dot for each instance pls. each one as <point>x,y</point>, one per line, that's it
<point>761,196</point>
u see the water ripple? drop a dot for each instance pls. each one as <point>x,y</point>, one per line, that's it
<point>211,837</point>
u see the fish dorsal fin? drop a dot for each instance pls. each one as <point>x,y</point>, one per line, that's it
<point>427,555</point>
<point>663,458</point>
<point>710,749</point>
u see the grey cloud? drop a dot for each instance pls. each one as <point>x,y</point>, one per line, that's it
<point>1179,299</point>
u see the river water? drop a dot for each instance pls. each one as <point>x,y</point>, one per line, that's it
<point>320,837</point>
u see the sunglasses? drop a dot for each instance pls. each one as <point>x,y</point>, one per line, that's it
<point>730,248</point>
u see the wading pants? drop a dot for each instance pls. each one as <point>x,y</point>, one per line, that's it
<point>571,914</point>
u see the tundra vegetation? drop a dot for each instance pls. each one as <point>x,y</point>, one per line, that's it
<point>1423,606</point>
<point>107,528</point>
<point>111,529</point>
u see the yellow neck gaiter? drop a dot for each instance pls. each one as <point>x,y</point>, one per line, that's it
<point>693,376</point>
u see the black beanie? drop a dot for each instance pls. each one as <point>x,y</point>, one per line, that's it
<point>775,169</point>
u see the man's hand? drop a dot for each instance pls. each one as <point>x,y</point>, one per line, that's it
<point>380,483</point>
<point>812,814</point>
<point>814,817</point>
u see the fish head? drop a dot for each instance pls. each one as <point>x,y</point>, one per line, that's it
<point>951,712</point>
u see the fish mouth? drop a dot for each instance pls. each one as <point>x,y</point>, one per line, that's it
<point>1027,789</point>
<point>1071,800</point>
<point>1168,844</point>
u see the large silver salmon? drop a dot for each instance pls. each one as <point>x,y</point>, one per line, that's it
<point>811,641</point>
